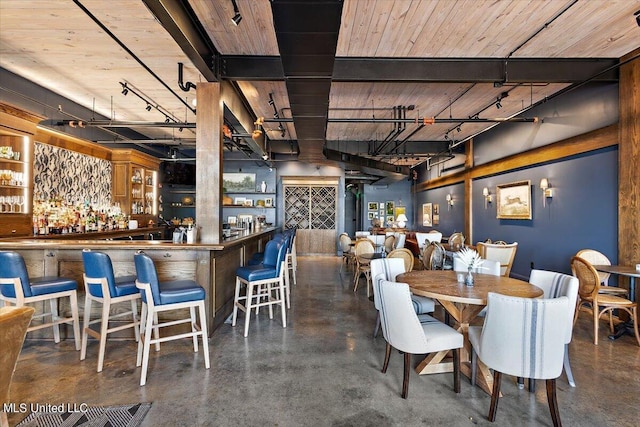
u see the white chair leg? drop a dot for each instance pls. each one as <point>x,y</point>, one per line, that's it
<point>288,289</point>
<point>283,308</point>
<point>156,330</point>
<point>143,334</point>
<point>104,326</point>
<point>247,313</point>
<point>567,366</point>
<point>53,304</point>
<point>76,318</point>
<point>149,329</point>
<point>85,325</point>
<point>134,315</point>
<point>205,336</point>
<point>194,329</point>
<point>236,301</point>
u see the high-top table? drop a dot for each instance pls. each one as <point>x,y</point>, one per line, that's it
<point>463,303</point>
<point>631,273</point>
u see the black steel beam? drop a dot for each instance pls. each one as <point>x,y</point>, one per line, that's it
<point>180,22</point>
<point>518,70</point>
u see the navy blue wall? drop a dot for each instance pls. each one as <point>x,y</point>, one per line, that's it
<point>583,212</point>
<point>399,193</point>
<point>451,219</point>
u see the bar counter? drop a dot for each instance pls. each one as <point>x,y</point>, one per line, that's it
<point>212,265</point>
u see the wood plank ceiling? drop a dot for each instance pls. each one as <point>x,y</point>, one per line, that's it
<point>429,58</point>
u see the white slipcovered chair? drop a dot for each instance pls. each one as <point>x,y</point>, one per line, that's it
<point>424,239</point>
<point>400,240</point>
<point>405,332</point>
<point>388,269</point>
<point>537,330</point>
<point>488,267</point>
<point>555,285</point>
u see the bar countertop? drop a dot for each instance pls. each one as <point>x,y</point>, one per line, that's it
<point>30,243</point>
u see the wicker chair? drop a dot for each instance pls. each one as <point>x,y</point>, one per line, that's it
<point>433,256</point>
<point>456,241</point>
<point>588,292</point>
<point>594,257</point>
<point>347,249</point>
<point>389,243</point>
<point>406,255</point>
<point>364,246</point>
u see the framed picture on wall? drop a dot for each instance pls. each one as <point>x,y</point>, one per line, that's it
<point>239,182</point>
<point>401,210</point>
<point>268,202</point>
<point>436,214</point>
<point>389,219</point>
<point>372,215</point>
<point>382,214</point>
<point>239,201</point>
<point>389,207</point>
<point>427,214</point>
<point>373,206</point>
<point>514,200</point>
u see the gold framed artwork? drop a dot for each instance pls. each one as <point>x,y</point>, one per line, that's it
<point>514,200</point>
<point>400,210</point>
<point>372,206</point>
<point>389,207</point>
<point>427,214</point>
<point>436,214</point>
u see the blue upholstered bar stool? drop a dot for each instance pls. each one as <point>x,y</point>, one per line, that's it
<point>264,284</point>
<point>18,289</point>
<point>258,257</point>
<point>158,297</point>
<point>101,285</point>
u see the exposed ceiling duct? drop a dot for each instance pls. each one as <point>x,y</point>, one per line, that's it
<point>307,34</point>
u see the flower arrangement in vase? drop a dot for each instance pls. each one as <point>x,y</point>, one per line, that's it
<point>472,260</point>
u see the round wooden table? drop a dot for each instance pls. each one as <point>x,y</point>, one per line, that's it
<point>463,303</point>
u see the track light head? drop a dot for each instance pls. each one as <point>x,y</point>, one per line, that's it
<point>125,91</point>
<point>166,119</point>
<point>498,105</point>
<point>148,107</point>
<point>236,19</point>
<point>458,129</point>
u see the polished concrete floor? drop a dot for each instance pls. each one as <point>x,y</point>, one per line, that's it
<point>322,370</point>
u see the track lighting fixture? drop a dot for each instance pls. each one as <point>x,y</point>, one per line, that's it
<point>498,104</point>
<point>166,119</point>
<point>446,136</point>
<point>148,107</point>
<point>125,90</point>
<point>458,129</point>
<point>237,17</point>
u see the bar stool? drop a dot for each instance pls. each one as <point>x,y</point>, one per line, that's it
<point>102,286</point>
<point>158,297</point>
<point>264,283</point>
<point>18,289</point>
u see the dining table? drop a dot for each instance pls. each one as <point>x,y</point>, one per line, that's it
<point>463,303</point>
<point>630,272</point>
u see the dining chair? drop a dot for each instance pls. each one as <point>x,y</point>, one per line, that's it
<point>292,258</point>
<point>424,239</point>
<point>264,285</point>
<point>17,288</point>
<point>405,255</point>
<point>387,269</point>
<point>163,296</point>
<point>456,241</point>
<point>433,256</point>
<point>505,254</point>
<point>364,246</point>
<point>101,286</point>
<point>601,303</point>
<point>346,246</point>
<point>536,329</point>
<point>488,267</point>
<point>14,322</point>
<point>598,258</point>
<point>404,331</point>
<point>401,238</point>
<point>389,243</point>
<point>555,285</point>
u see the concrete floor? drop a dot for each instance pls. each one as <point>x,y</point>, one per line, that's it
<point>322,370</point>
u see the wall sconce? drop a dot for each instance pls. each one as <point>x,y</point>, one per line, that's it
<point>487,196</point>
<point>547,191</point>
<point>449,201</point>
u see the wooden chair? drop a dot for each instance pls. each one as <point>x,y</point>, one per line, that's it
<point>389,243</point>
<point>364,246</point>
<point>346,247</point>
<point>501,253</point>
<point>597,258</point>
<point>14,322</point>
<point>406,255</point>
<point>588,293</point>
<point>456,241</point>
<point>433,256</point>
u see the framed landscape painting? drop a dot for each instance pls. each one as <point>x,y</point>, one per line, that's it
<point>236,182</point>
<point>514,200</point>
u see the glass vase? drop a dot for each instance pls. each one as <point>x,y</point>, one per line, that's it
<point>468,280</point>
